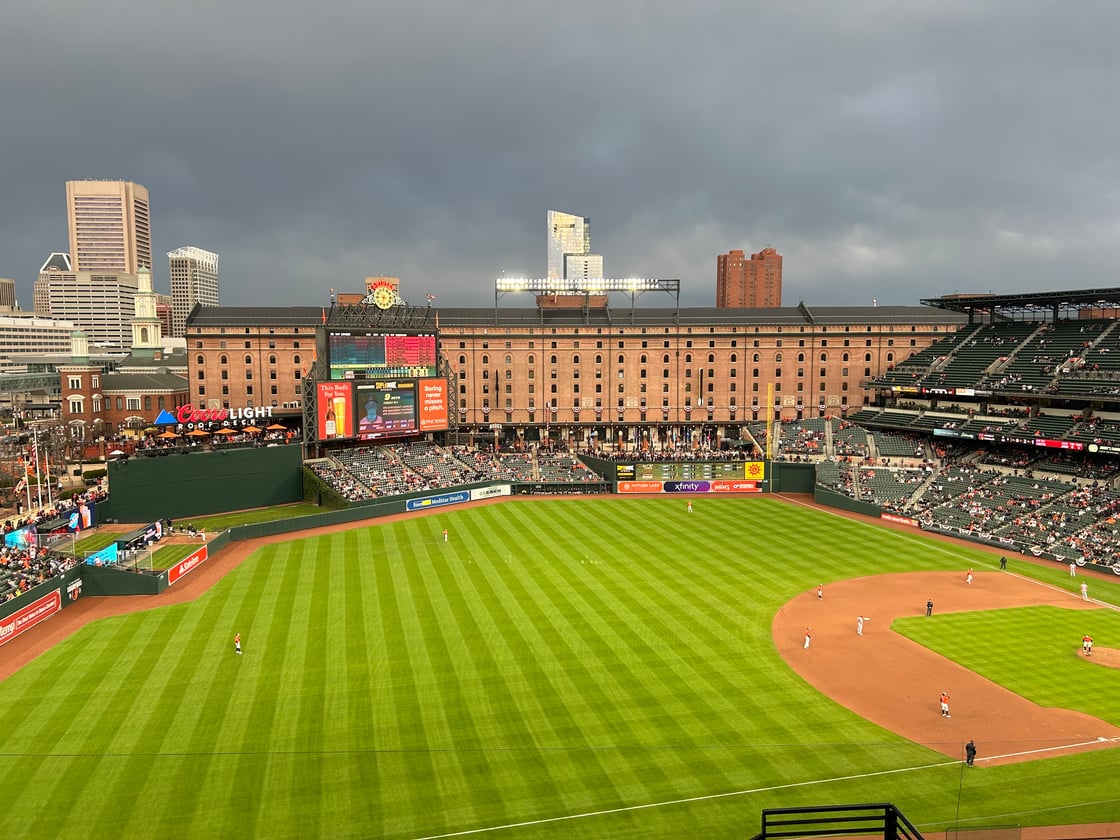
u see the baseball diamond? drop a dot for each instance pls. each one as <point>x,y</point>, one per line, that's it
<point>589,666</point>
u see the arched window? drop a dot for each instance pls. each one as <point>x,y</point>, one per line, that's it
<point>688,358</point>
<point>665,359</point>
<point>462,359</point>
<point>486,360</point>
<point>824,357</point>
<point>777,357</point>
<point>272,360</point>
<point>643,358</point>
<point>248,359</point>
<point>621,359</point>
<point>867,357</point>
<point>757,358</point>
<point>223,360</point>
<point>532,360</point>
<point>734,358</point>
<point>295,359</point>
<point>509,359</point>
<point>201,360</point>
<point>552,359</point>
<point>800,357</point>
<point>575,360</point>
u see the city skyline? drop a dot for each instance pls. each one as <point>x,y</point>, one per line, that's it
<point>888,151</point>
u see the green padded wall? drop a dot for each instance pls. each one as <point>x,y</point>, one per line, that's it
<point>200,483</point>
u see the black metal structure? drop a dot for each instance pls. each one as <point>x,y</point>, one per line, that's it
<point>875,819</point>
<point>365,316</point>
<point>1029,305</point>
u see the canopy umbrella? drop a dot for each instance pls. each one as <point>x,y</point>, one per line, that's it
<point>225,432</point>
<point>277,427</point>
<point>167,435</point>
<point>252,429</point>
<point>116,452</point>
<point>197,433</point>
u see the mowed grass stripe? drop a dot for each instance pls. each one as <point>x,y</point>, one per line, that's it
<point>243,694</point>
<point>526,668</point>
<point>627,669</point>
<point>521,775</point>
<point>411,786</point>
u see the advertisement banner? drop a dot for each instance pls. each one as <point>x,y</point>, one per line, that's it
<point>24,539</point>
<point>105,557</point>
<point>83,517</point>
<point>438,501</point>
<point>640,486</point>
<point>489,492</point>
<point>433,405</point>
<point>30,615</point>
<point>187,564</point>
<point>722,485</point>
<point>335,410</point>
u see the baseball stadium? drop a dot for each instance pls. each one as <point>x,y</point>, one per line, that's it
<point>748,634</point>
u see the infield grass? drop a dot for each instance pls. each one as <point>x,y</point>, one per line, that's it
<point>553,659</point>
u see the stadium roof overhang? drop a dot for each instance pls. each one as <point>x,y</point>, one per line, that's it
<point>1029,305</point>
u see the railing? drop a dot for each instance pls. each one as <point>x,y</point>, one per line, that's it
<point>871,820</point>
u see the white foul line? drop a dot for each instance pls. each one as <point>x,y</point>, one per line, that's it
<point>669,802</point>
<point>711,796</point>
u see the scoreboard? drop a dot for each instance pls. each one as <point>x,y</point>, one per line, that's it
<point>683,470</point>
<point>691,477</point>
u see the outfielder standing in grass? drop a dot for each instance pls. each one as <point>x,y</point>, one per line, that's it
<point>445,535</point>
<point>237,642</point>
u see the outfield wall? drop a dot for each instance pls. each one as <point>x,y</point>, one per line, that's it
<point>38,604</point>
<point>203,483</point>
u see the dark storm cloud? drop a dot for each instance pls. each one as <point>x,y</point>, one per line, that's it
<point>890,151</point>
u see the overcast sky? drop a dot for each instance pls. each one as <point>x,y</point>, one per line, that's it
<point>889,150</point>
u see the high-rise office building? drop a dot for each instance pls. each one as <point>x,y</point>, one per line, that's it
<point>569,247</point>
<point>754,283</point>
<point>101,305</point>
<point>56,265</point>
<point>194,279</point>
<point>110,229</point>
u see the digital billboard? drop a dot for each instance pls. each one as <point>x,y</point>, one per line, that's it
<point>363,354</point>
<point>385,408</point>
<point>432,407</point>
<point>335,412</point>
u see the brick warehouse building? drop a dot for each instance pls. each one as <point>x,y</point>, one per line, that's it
<point>594,375</point>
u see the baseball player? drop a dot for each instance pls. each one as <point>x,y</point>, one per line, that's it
<point>820,591</point>
<point>690,505</point>
<point>808,637</point>
<point>1084,592</point>
<point>1072,569</point>
<point>445,535</point>
<point>1087,644</point>
<point>945,705</point>
<point>968,577</point>
<point>237,643</point>
<point>859,624</point>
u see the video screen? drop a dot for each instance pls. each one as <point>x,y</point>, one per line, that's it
<point>433,413</point>
<point>385,408</point>
<point>335,418</point>
<point>368,355</point>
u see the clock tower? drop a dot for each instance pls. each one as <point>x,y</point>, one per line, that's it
<point>146,327</point>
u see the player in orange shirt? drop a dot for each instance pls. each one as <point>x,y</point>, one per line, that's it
<point>237,642</point>
<point>945,705</point>
<point>1087,644</point>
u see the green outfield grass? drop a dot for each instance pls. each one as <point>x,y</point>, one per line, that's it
<point>604,657</point>
<point>224,521</point>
